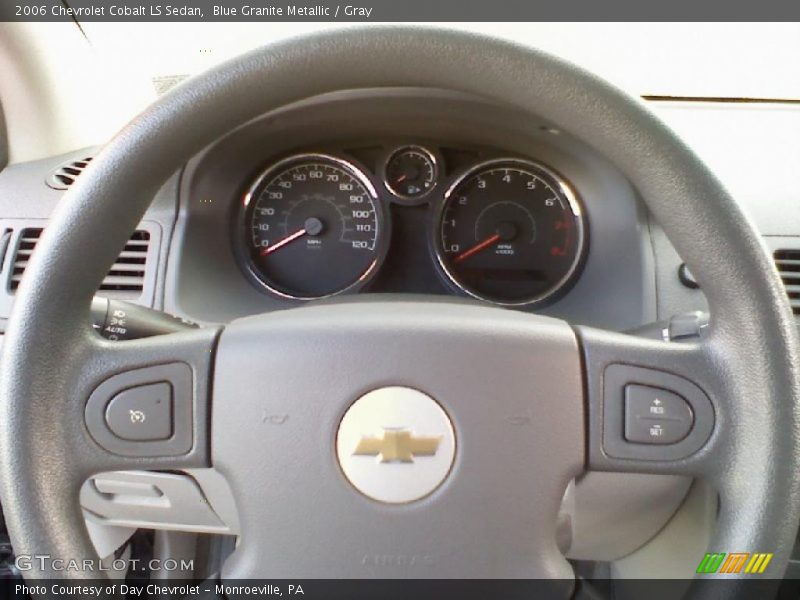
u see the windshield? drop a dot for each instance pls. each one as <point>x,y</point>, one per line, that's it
<point>125,66</point>
<point>732,60</point>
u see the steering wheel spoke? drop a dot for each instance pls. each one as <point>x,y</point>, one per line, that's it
<point>652,405</point>
<point>147,401</point>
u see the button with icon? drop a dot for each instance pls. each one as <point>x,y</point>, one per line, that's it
<point>141,413</point>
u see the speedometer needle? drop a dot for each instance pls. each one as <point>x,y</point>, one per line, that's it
<point>477,248</point>
<point>287,240</point>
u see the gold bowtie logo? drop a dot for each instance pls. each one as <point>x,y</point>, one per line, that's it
<point>397,445</point>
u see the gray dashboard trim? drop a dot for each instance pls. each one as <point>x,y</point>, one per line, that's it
<point>619,256</point>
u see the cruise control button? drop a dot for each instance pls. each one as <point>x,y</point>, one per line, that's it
<point>142,413</point>
<point>655,416</point>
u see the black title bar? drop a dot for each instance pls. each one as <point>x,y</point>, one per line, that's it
<point>397,10</point>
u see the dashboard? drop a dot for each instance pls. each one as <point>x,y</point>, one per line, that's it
<point>398,192</point>
<point>627,274</point>
<point>407,192</point>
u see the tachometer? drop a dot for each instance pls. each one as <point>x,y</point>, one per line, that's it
<point>313,227</point>
<point>510,232</point>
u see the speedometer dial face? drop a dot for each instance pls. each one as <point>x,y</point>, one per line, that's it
<point>313,227</point>
<point>510,232</point>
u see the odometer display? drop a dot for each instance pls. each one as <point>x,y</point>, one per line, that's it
<point>510,232</point>
<point>313,227</point>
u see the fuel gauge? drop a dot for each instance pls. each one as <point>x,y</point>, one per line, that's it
<point>411,172</point>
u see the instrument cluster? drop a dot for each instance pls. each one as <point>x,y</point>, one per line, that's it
<point>505,229</point>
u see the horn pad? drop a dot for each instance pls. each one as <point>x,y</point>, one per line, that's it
<point>343,469</point>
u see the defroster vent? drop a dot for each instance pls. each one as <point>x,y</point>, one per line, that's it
<point>66,174</point>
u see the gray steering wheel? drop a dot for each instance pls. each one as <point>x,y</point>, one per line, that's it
<point>741,381</point>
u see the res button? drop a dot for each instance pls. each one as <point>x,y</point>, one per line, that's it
<point>655,416</point>
<point>142,413</point>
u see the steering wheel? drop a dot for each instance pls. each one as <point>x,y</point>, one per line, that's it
<point>264,399</point>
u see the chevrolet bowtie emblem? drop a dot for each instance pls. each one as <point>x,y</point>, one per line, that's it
<point>397,445</point>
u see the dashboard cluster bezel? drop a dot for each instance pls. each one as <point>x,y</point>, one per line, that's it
<point>373,172</point>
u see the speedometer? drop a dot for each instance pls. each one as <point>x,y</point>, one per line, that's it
<point>510,232</point>
<point>313,227</point>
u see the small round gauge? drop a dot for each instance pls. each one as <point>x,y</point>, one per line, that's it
<point>411,172</point>
<point>313,227</point>
<point>510,232</point>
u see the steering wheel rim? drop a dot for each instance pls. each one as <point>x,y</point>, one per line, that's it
<point>749,359</point>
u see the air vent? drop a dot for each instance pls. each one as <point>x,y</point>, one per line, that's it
<point>66,174</point>
<point>25,246</point>
<point>788,263</point>
<point>125,279</point>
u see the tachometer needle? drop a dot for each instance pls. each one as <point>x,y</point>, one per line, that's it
<point>477,248</point>
<point>287,240</point>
